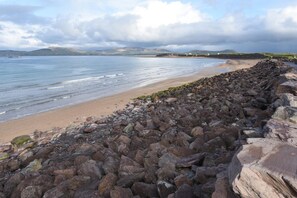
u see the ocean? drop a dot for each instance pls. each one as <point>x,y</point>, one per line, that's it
<point>30,85</point>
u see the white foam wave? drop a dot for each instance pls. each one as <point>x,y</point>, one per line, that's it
<point>82,80</point>
<point>57,87</point>
<point>3,112</point>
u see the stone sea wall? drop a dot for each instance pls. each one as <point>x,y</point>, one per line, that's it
<point>267,167</point>
<point>204,139</point>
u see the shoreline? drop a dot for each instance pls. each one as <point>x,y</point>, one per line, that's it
<point>105,106</point>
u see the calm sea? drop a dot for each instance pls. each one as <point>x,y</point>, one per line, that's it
<point>29,85</point>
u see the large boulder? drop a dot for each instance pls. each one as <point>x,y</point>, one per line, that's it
<point>264,168</point>
<point>281,130</point>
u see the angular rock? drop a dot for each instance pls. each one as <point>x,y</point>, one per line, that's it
<point>129,180</point>
<point>110,165</point>
<point>197,132</point>
<point>119,192</point>
<point>286,113</point>
<point>145,190</point>
<point>222,189</point>
<point>167,159</point>
<point>106,184</point>
<point>165,189</point>
<point>182,179</point>
<point>171,100</point>
<point>32,192</point>
<point>90,168</point>
<point>287,87</point>
<point>33,167</point>
<point>129,128</point>
<point>21,140</point>
<point>129,167</point>
<point>4,156</point>
<point>281,130</point>
<point>262,168</point>
<point>91,128</point>
<point>190,160</point>
<point>184,191</point>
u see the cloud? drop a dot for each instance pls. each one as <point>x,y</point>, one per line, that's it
<point>151,23</point>
<point>20,14</point>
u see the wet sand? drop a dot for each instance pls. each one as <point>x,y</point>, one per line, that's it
<point>103,106</point>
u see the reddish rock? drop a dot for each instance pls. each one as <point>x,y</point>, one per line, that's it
<point>184,191</point>
<point>106,184</point>
<point>190,160</point>
<point>182,179</point>
<point>119,192</point>
<point>145,190</point>
<point>90,168</point>
<point>129,167</point>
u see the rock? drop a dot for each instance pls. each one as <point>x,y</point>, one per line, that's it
<point>124,139</point>
<point>222,189</point>
<point>129,128</point>
<point>81,159</point>
<point>167,159</point>
<point>13,164</point>
<point>281,130</point>
<point>138,127</point>
<point>85,148</point>
<point>216,143</point>
<point>288,100</point>
<point>251,133</point>
<point>184,191</point>
<point>34,166</point>
<point>197,145</point>
<point>110,165</point>
<point>139,157</point>
<point>91,128</point>
<point>262,168</point>
<point>119,192</point>
<point>287,87</point>
<point>145,190</point>
<point>12,183</point>
<point>106,184</point>
<point>171,100</point>
<point>4,156</point>
<point>182,179</point>
<point>25,155</point>
<point>129,180</point>
<point>32,192</point>
<point>167,172</point>
<point>197,132</point>
<point>286,113</point>
<point>68,173</point>
<point>252,92</point>
<point>165,189</point>
<point>129,167</point>
<point>21,140</point>
<point>86,193</point>
<point>190,160</point>
<point>208,187</point>
<point>90,168</point>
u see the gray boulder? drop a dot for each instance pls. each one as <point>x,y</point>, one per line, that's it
<point>264,168</point>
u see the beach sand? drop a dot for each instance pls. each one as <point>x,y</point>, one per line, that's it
<point>101,107</point>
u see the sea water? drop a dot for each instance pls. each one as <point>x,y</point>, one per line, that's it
<point>29,85</point>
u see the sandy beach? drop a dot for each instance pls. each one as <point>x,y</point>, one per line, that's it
<point>103,106</point>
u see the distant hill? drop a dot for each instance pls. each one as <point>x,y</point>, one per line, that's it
<point>59,51</point>
<point>207,52</point>
<point>132,51</point>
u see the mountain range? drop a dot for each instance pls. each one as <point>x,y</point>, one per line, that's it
<point>59,51</point>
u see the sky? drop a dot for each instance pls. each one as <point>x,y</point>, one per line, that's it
<point>242,25</point>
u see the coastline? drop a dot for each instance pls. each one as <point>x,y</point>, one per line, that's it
<point>101,107</point>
